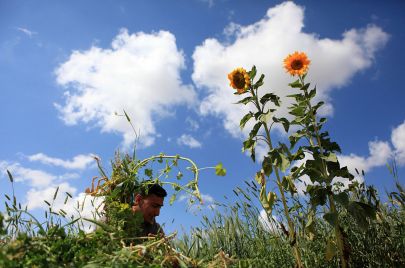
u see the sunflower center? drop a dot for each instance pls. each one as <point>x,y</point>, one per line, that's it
<point>239,80</point>
<point>297,65</point>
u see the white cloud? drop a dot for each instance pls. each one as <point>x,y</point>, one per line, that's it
<point>269,224</point>
<point>380,153</point>
<point>35,177</point>
<point>189,141</point>
<point>266,43</point>
<point>78,162</point>
<point>81,205</point>
<point>193,124</point>
<point>398,140</point>
<point>26,31</point>
<point>35,198</point>
<point>140,74</point>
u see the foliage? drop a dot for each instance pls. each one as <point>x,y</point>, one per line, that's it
<point>250,241</point>
<point>117,240</point>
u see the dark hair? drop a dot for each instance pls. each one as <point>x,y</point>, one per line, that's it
<point>148,189</point>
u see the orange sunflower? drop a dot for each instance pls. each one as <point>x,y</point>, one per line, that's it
<point>297,63</point>
<point>239,80</point>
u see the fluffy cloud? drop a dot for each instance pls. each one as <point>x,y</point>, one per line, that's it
<point>78,162</point>
<point>266,43</point>
<point>140,74</point>
<point>380,153</point>
<point>43,186</point>
<point>80,205</point>
<point>189,141</point>
<point>272,224</point>
<point>35,178</point>
<point>398,140</point>
<point>35,197</point>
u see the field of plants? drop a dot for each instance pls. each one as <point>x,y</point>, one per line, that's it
<point>335,222</point>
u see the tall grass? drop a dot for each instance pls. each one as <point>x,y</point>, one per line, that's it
<point>240,232</point>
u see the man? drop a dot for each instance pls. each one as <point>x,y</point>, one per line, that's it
<point>148,202</point>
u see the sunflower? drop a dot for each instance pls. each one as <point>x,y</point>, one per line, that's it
<point>240,80</point>
<point>297,63</point>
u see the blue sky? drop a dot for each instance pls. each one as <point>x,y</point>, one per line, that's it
<point>67,66</point>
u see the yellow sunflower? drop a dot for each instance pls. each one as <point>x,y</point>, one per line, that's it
<point>297,63</point>
<point>240,80</point>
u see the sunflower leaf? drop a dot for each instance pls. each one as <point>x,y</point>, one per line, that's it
<point>259,82</point>
<point>252,72</point>
<point>245,100</point>
<point>245,119</point>
<point>270,97</point>
<point>295,84</point>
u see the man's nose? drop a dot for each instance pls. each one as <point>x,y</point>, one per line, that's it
<point>157,212</point>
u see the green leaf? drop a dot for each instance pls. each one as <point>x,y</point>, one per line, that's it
<point>10,176</point>
<point>295,84</point>
<point>245,119</point>
<point>56,193</point>
<point>270,97</point>
<point>312,93</point>
<point>172,199</point>
<point>259,82</point>
<point>179,175</point>
<point>247,144</point>
<point>252,73</point>
<point>285,163</point>
<point>298,97</point>
<point>220,170</point>
<point>298,111</point>
<point>267,166</point>
<point>305,87</point>
<point>330,250</point>
<point>317,195</point>
<point>342,198</point>
<point>284,121</point>
<point>331,157</point>
<point>361,212</point>
<point>259,177</point>
<point>126,115</point>
<point>318,105</point>
<point>253,153</point>
<point>255,129</point>
<point>265,117</point>
<point>331,218</point>
<point>245,100</point>
<point>271,198</point>
<point>268,200</point>
<point>289,185</point>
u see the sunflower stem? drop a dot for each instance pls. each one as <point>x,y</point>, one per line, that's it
<point>292,234</point>
<point>332,205</point>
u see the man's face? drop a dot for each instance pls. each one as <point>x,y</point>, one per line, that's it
<point>149,206</point>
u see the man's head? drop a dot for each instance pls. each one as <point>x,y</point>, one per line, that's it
<point>149,200</point>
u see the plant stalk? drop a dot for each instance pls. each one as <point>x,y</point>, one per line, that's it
<point>338,234</point>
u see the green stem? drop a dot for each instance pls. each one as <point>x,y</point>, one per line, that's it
<point>195,169</point>
<point>338,234</point>
<point>291,226</point>
<point>292,235</point>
